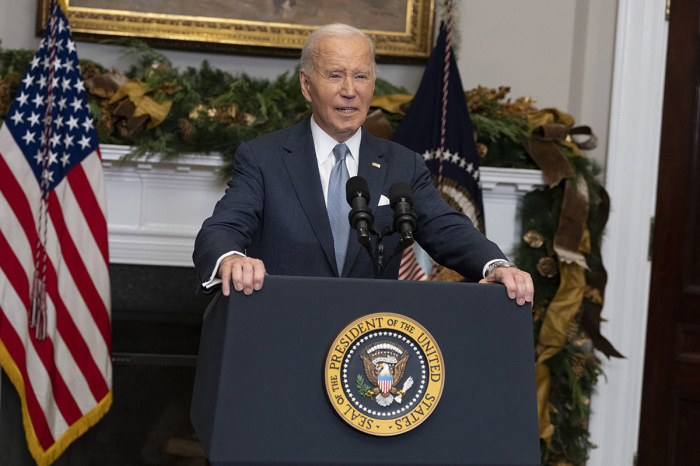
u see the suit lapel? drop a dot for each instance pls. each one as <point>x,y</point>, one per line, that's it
<point>371,167</point>
<point>302,168</point>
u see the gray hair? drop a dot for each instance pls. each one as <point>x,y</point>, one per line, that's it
<point>306,62</point>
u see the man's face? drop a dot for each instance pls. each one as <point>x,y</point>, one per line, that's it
<point>341,86</point>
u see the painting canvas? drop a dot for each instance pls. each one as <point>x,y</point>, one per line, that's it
<point>401,29</point>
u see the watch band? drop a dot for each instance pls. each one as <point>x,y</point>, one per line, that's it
<point>496,264</point>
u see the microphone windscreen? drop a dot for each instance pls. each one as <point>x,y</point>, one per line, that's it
<point>356,185</point>
<point>400,191</point>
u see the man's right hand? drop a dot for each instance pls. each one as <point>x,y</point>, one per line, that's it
<point>246,274</point>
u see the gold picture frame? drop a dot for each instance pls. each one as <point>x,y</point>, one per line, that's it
<point>402,29</point>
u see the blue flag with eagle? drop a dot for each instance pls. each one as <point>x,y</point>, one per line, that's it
<point>437,125</point>
<point>421,131</point>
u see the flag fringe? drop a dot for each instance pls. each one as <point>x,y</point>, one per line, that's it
<point>41,456</point>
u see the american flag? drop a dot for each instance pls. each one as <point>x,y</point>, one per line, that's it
<point>437,125</point>
<point>55,332</point>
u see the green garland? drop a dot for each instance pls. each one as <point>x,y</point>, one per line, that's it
<point>575,369</point>
<point>214,111</point>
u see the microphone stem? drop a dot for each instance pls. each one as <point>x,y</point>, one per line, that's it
<point>378,259</point>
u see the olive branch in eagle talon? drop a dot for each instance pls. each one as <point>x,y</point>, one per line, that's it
<point>362,387</point>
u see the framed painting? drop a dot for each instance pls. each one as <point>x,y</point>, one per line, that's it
<point>402,29</point>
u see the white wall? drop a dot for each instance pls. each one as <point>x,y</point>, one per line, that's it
<point>558,52</point>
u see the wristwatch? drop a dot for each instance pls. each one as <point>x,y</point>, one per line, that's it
<point>496,264</point>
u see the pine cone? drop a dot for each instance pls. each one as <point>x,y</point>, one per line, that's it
<point>547,267</point>
<point>185,129</point>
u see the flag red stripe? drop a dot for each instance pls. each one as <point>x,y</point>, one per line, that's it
<point>18,202</point>
<point>16,349</point>
<point>91,209</point>
<point>17,277</point>
<point>74,339</point>
<point>410,269</point>
<point>79,272</point>
<point>8,334</point>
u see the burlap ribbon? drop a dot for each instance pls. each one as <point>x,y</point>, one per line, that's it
<point>554,129</point>
<point>138,107</point>
<point>561,310</point>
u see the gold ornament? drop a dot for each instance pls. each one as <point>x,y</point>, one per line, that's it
<point>547,267</point>
<point>534,239</point>
<point>578,364</point>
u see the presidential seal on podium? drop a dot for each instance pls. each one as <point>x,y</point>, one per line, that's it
<point>384,374</point>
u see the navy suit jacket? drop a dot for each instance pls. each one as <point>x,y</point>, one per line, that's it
<point>274,210</point>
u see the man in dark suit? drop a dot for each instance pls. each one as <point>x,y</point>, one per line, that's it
<point>278,214</point>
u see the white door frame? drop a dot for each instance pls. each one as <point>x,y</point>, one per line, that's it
<point>631,175</point>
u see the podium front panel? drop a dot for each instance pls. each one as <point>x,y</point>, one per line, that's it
<point>259,395</point>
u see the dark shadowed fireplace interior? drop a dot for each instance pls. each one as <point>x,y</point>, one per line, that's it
<point>156,324</point>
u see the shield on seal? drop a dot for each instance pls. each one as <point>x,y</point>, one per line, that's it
<point>385,383</point>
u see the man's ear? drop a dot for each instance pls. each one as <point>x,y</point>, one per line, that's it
<point>305,83</point>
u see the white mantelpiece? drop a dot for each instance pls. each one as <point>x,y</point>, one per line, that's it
<point>155,208</point>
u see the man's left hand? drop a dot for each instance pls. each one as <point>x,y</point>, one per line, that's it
<point>518,283</point>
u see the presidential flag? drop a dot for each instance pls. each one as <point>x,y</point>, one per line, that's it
<point>437,125</point>
<point>55,332</point>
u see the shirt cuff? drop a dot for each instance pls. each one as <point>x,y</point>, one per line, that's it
<point>214,280</point>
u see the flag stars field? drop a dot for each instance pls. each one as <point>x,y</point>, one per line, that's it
<point>453,158</point>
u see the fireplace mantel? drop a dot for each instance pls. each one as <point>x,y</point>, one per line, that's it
<point>155,208</point>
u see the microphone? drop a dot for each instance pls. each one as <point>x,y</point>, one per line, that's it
<point>361,218</point>
<point>401,199</point>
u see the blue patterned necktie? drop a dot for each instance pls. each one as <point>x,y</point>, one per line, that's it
<point>338,208</point>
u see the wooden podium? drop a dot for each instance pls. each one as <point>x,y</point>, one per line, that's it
<point>259,395</point>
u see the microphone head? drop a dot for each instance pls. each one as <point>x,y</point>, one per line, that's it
<point>399,192</point>
<point>356,187</point>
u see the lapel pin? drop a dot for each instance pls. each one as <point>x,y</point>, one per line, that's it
<point>375,164</point>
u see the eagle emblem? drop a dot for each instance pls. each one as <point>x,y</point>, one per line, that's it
<point>385,364</point>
